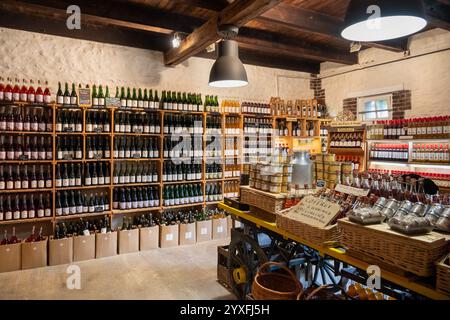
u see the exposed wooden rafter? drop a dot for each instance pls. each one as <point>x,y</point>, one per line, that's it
<point>237,13</point>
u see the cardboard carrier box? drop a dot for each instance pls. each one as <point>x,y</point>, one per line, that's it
<point>168,236</point>
<point>148,238</point>
<point>105,244</point>
<point>187,233</point>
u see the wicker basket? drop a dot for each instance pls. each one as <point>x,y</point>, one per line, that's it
<point>443,275</point>
<point>326,236</point>
<point>274,285</point>
<point>415,254</point>
<point>319,293</point>
<point>266,201</point>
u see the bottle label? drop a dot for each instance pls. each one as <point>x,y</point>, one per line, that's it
<point>31,214</point>
<point>16,215</point>
<point>79,209</point>
<point>40,213</point>
<point>48,184</point>
<point>41,184</point>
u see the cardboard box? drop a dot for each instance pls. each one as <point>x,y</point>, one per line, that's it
<point>220,228</point>
<point>10,257</point>
<point>229,224</point>
<point>168,236</point>
<point>84,247</point>
<point>60,251</point>
<point>34,254</point>
<point>128,241</point>
<point>105,244</point>
<point>204,230</point>
<point>187,234</point>
<point>149,238</point>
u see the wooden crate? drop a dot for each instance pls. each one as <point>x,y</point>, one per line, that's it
<point>415,254</point>
<point>269,202</point>
<point>443,275</point>
<point>326,236</point>
<point>222,270</point>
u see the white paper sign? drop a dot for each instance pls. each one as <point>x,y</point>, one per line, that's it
<point>203,231</point>
<point>169,237</point>
<point>219,229</point>
<point>358,192</point>
<point>188,235</point>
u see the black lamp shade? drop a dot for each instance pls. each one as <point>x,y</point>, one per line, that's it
<point>228,71</point>
<point>379,20</point>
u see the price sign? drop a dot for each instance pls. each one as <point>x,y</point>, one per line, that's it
<point>112,102</point>
<point>98,130</point>
<point>68,129</point>
<point>314,211</point>
<point>23,157</point>
<point>136,156</point>
<point>352,190</point>
<point>99,209</point>
<point>68,157</point>
<point>84,97</point>
<point>291,119</point>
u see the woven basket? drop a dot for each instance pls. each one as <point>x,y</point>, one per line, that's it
<point>443,275</point>
<point>319,293</point>
<point>416,254</point>
<point>274,285</point>
<point>266,201</point>
<point>319,236</point>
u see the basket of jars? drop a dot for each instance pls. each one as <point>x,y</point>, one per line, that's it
<point>265,200</point>
<point>443,275</point>
<point>379,244</point>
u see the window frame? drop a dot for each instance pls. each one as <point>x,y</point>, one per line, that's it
<point>361,107</point>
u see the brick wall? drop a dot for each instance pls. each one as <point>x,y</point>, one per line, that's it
<point>401,101</point>
<point>316,85</point>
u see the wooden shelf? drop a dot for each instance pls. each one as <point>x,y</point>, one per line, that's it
<point>97,160</point>
<point>26,190</point>
<point>34,220</point>
<point>98,133</point>
<point>99,186</point>
<point>73,160</point>
<point>137,134</point>
<point>69,133</point>
<point>118,211</point>
<point>232,178</point>
<point>350,151</point>
<point>82,215</point>
<point>183,205</point>
<point>211,180</point>
<point>182,182</point>
<point>27,161</point>
<point>137,159</point>
<point>136,184</point>
<point>23,104</point>
<point>213,202</point>
<point>27,132</point>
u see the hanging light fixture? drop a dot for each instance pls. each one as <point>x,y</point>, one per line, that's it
<point>379,20</point>
<point>228,70</point>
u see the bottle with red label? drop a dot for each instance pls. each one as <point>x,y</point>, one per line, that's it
<point>31,94</point>
<point>39,93</point>
<point>2,90</point>
<point>47,94</point>
<point>24,91</point>
<point>16,91</point>
<point>8,91</point>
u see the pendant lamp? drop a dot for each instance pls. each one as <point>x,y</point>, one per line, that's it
<point>379,20</point>
<point>228,70</point>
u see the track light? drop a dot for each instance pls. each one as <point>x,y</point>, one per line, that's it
<point>176,40</point>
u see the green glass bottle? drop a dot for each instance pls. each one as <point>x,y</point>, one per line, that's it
<point>164,100</point>
<point>129,101</point>
<point>59,95</point>
<point>66,94</point>
<point>174,101</point>
<point>180,102</point>
<point>140,100</point>
<point>117,93</point>
<point>123,99</point>
<point>185,103</point>
<point>145,103</point>
<point>151,101</point>
<point>156,100</point>
<point>134,99</point>
<point>73,96</point>
<point>199,102</point>
<point>94,96</point>
<point>101,97</point>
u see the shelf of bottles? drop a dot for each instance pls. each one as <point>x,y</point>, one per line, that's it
<point>418,144</point>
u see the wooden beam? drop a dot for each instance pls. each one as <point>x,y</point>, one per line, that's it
<point>237,13</point>
<point>296,51</point>
<point>299,19</point>
<point>438,13</point>
<point>212,5</point>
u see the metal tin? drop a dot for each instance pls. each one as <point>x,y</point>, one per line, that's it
<point>390,208</point>
<point>435,212</point>
<point>277,178</point>
<point>405,208</point>
<point>380,203</point>
<point>418,209</point>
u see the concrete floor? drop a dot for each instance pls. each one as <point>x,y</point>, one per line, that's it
<point>186,272</point>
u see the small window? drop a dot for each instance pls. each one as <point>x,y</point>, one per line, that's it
<point>375,108</point>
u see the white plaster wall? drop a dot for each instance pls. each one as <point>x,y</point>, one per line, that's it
<point>426,73</point>
<point>37,56</point>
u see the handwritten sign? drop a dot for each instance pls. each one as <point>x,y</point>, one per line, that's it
<point>346,130</point>
<point>291,119</point>
<point>352,190</point>
<point>112,102</point>
<point>346,124</point>
<point>314,211</point>
<point>84,97</point>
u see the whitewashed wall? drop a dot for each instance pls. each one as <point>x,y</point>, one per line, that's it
<point>37,56</point>
<point>426,73</point>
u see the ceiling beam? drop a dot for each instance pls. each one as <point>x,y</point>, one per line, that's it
<point>212,5</point>
<point>438,13</point>
<point>299,19</point>
<point>237,13</point>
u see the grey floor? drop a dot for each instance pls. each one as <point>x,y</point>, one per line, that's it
<point>186,272</point>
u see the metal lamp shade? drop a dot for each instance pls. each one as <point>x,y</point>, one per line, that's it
<point>228,71</point>
<point>379,20</point>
